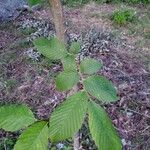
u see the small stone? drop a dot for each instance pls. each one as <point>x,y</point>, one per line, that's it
<point>9,8</point>
<point>124,143</point>
<point>60,146</point>
<point>2,85</point>
<point>129,114</point>
<point>32,54</point>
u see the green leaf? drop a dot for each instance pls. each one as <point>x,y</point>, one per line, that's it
<point>66,80</point>
<point>15,117</point>
<point>34,2</point>
<point>102,130</point>
<point>90,66</point>
<point>74,48</point>
<point>52,49</point>
<point>101,88</point>
<point>69,63</point>
<point>34,138</point>
<point>67,119</point>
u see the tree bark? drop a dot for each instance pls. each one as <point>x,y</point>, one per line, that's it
<point>57,12</point>
<point>76,143</point>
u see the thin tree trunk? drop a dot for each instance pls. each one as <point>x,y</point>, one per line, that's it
<point>57,11</point>
<point>76,143</point>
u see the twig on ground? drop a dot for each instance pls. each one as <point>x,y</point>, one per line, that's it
<point>138,113</point>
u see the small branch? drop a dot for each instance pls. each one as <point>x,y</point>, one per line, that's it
<point>5,144</point>
<point>138,113</point>
<point>76,143</point>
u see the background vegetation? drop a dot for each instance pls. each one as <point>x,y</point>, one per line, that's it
<point>81,2</point>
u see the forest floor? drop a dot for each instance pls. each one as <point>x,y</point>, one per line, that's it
<point>26,77</point>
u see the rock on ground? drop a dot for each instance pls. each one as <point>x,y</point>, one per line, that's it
<point>8,8</point>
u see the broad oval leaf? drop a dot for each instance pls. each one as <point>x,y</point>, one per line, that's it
<point>15,117</point>
<point>34,138</point>
<point>74,48</point>
<point>67,119</point>
<point>102,130</point>
<point>66,80</point>
<point>52,49</point>
<point>90,66</point>
<point>69,63</point>
<point>100,88</point>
